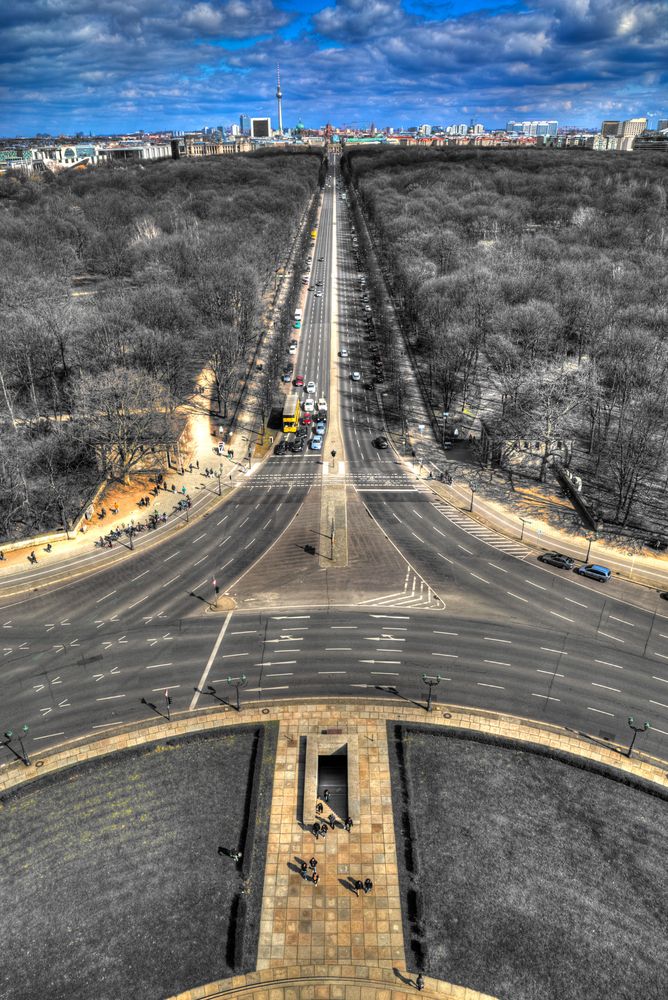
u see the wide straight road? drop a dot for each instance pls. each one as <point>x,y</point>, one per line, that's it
<point>515,636</point>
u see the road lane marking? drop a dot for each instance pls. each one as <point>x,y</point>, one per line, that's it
<point>547,697</point>
<point>608,636</point>
<point>600,711</point>
<point>172,556</point>
<point>464,549</point>
<point>248,631</point>
<point>579,603</point>
<point>536,585</point>
<point>622,620</point>
<point>332,671</point>
<point>110,594</point>
<point>659,703</point>
<point>170,581</point>
<point>664,680</point>
<point>154,666</point>
<point>482,579</point>
<point>110,697</point>
<point>140,576</point>
<point>551,673</point>
<point>548,649</point>
<point>167,687</point>
<point>214,651</point>
<point>497,663</point>
<point>606,687</point>
<point>449,656</point>
<point>275,663</point>
<point>249,544</point>
<point>51,736</point>
<point>563,617</point>
<point>606,663</point>
<point>526,601</point>
<point>281,687</point>
<point>136,603</point>
<point>497,567</point>
<point>491,638</point>
<point>199,538</point>
<point>499,687</point>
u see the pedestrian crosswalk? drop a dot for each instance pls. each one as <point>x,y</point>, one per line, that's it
<point>480,531</point>
<point>416,593</point>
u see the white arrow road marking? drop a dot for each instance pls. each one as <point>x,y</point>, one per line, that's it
<point>38,687</point>
<point>8,624</point>
<point>66,621</point>
<point>122,639</point>
<point>151,642</point>
<point>56,680</point>
<point>64,704</point>
<point>75,642</point>
<point>45,711</point>
<point>107,645</point>
<point>7,650</point>
<point>115,670</point>
<point>24,645</point>
<point>98,677</point>
<point>49,627</point>
<point>99,623</point>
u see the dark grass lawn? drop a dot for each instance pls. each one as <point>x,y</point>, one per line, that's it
<point>535,880</point>
<point>111,884</point>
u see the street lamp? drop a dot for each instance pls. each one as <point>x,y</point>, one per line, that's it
<point>238,682</point>
<point>636,729</point>
<point>472,495</point>
<point>9,736</point>
<point>590,539</point>
<point>524,521</point>
<point>431,682</point>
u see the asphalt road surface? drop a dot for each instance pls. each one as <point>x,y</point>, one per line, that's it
<point>513,636</point>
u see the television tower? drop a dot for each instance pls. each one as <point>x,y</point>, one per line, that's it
<point>279,99</point>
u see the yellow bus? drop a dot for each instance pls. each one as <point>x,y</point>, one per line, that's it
<point>291,414</point>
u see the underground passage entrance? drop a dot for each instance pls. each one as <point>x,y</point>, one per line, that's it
<point>332,763</point>
<point>333,778</point>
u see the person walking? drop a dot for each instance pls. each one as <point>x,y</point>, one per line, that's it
<point>316,829</point>
<point>419,982</point>
<point>323,830</point>
<point>304,870</point>
<point>325,795</point>
<point>319,807</point>
<point>331,819</point>
<point>368,885</point>
<point>348,825</point>
<point>313,864</point>
<point>315,879</point>
<point>358,886</point>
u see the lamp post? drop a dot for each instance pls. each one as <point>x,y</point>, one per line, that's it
<point>431,682</point>
<point>9,736</point>
<point>472,495</point>
<point>220,473</point>
<point>238,682</point>
<point>524,521</point>
<point>590,539</point>
<point>636,729</point>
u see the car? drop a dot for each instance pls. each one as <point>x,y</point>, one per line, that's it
<point>306,419</point>
<point>289,367</point>
<point>368,386</point>
<point>296,445</point>
<point>292,349</point>
<point>309,406</point>
<point>318,295</point>
<point>343,353</point>
<point>286,377</point>
<point>316,443</point>
<point>320,415</point>
<point>367,309</point>
<point>557,559</point>
<point>355,376</point>
<point>321,427</point>
<point>319,284</point>
<point>311,287</point>
<point>380,442</point>
<point>299,381</point>
<point>280,448</point>
<point>595,572</point>
<point>310,386</point>
<point>321,259</point>
<point>294,342</point>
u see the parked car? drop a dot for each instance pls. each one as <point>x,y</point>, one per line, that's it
<point>292,349</point>
<point>557,559</point>
<point>381,442</point>
<point>343,353</point>
<point>355,376</point>
<point>286,377</point>
<point>595,572</point>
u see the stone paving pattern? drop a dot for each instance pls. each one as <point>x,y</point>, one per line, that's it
<point>321,941</point>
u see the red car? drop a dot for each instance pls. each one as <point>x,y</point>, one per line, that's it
<point>306,419</point>
<point>299,380</point>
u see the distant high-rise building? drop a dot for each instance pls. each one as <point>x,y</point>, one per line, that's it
<point>461,129</point>
<point>260,128</point>
<point>609,128</point>
<point>244,124</point>
<point>633,126</point>
<point>424,130</point>
<point>279,98</point>
<point>478,129</point>
<point>662,124</point>
<point>535,127</point>
<point>234,130</point>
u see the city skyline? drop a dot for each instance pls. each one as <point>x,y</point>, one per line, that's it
<point>181,64</point>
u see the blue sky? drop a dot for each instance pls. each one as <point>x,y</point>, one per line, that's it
<point>121,65</point>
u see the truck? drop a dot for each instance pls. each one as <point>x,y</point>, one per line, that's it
<point>291,413</point>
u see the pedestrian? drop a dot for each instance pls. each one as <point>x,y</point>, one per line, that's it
<point>197,463</point>
<point>325,795</point>
<point>368,885</point>
<point>2,556</point>
<point>316,829</point>
<point>323,830</point>
<point>316,878</point>
<point>348,825</point>
<point>48,547</point>
<point>190,467</point>
<point>419,982</point>
<point>358,886</point>
<point>32,557</point>
<point>331,819</point>
<point>313,864</point>
<point>236,856</point>
<point>304,869</point>
<point>319,807</point>
<point>173,487</point>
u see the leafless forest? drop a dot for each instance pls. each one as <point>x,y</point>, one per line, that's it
<point>117,286</point>
<point>533,289</point>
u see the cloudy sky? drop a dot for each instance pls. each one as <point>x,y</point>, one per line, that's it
<point>120,65</point>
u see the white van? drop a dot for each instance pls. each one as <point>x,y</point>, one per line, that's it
<point>322,405</point>
<point>298,314</point>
